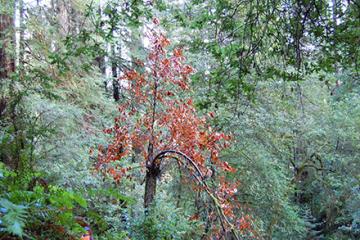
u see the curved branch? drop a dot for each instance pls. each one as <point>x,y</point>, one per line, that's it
<point>221,214</point>
<point>163,153</point>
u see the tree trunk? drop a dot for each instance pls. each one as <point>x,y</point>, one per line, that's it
<point>152,173</point>
<point>150,187</point>
<point>19,34</point>
<point>7,63</point>
<point>114,64</point>
<point>63,18</point>
<point>116,92</point>
<point>22,32</point>
<point>101,58</point>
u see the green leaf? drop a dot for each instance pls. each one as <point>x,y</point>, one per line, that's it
<point>80,200</point>
<point>16,228</point>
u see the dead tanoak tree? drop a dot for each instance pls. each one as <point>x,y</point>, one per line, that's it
<point>160,123</point>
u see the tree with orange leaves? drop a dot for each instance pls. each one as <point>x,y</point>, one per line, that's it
<point>167,127</point>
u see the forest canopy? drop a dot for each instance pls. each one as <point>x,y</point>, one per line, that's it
<point>182,119</point>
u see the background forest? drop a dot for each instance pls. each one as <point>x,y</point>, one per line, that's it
<point>261,98</point>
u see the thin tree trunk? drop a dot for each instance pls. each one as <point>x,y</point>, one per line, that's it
<point>115,82</point>
<point>19,34</point>
<point>101,58</point>
<point>116,92</point>
<point>22,33</point>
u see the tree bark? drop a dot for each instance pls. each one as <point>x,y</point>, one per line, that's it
<point>101,58</point>
<point>151,176</point>
<point>19,32</point>
<point>7,63</point>
<point>150,187</point>
<point>63,18</point>
<point>114,64</point>
<point>22,32</point>
<point>116,90</point>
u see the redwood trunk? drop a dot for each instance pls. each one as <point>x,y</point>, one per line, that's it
<point>7,66</point>
<point>7,63</point>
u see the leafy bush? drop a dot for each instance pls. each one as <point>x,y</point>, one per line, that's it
<point>164,221</point>
<point>13,217</point>
<point>38,211</point>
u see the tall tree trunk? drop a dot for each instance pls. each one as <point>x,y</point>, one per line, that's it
<point>19,34</point>
<point>74,20</point>
<point>100,59</point>
<point>7,62</point>
<point>63,18</point>
<point>114,68</point>
<point>22,32</point>
<point>115,82</point>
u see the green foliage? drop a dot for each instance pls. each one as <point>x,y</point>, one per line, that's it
<point>163,221</point>
<point>26,211</point>
<point>13,217</point>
